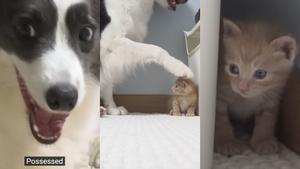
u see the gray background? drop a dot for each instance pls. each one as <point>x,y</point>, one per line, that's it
<point>165,30</point>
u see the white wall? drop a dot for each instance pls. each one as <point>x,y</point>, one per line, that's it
<point>166,30</point>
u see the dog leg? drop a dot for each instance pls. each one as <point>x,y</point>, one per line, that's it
<point>94,159</point>
<point>141,53</point>
<point>110,104</point>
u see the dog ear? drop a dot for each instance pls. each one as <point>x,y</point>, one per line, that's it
<point>286,45</point>
<point>230,29</point>
<point>104,17</point>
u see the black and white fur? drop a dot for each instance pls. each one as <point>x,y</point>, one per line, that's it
<point>121,47</point>
<point>104,17</point>
<point>46,43</point>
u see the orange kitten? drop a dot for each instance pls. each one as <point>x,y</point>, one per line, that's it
<point>253,70</point>
<point>185,98</point>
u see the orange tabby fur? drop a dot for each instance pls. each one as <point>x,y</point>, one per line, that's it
<point>184,101</point>
<point>253,70</point>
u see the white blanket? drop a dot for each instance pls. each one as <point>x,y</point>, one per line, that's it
<point>249,160</point>
<point>150,142</point>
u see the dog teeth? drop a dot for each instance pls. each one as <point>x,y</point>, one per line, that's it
<point>46,138</point>
<point>35,128</point>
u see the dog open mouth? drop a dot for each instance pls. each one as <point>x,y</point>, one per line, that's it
<point>45,126</point>
<point>173,3</point>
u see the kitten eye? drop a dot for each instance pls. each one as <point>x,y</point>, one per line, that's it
<point>86,34</point>
<point>234,69</point>
<point>260,74</point>
<point>26,30</point>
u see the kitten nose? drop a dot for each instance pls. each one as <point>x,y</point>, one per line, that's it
<point>243,86</point>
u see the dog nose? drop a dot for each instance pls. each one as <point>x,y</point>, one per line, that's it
<point>62,97</point>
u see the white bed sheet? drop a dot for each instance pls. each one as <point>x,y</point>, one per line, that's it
<point>150,142</point>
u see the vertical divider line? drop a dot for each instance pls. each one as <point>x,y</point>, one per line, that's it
<point>209,40</point>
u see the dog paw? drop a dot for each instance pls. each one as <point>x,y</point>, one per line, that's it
<point>94,159</point>
<point>103,111</point>
<point>183,71</point>
<point>230,148</point>
<point>266,147</point>
<point>117,111</point>
<point>123,110</point>
<point>179,69</point>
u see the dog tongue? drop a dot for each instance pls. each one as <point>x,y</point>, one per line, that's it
<point>56,125</point>
<point>49,124</point>
<point>172,4</point>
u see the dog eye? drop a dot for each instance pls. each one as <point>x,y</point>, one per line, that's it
<point>86,34</point>
<point>260,74</point>
<point>27,30</point>
<point>234,69</point>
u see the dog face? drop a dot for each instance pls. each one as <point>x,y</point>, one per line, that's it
<point>48,42</point>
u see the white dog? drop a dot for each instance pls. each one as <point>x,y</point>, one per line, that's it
<point>49,102</point>
<point>121,49</point>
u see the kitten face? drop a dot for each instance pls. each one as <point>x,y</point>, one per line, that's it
<point>255,65</point>
<point>182,86</point>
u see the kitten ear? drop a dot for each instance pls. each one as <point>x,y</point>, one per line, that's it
<point>230,29</point>
<point>183,82</point>
<point>287,45</point>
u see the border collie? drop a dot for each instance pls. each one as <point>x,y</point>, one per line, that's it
<point>49,100</point>
<point>122,48</point>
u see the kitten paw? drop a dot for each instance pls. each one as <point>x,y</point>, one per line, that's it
<point>174,113</point>
<point>230,148</point>
<point>171,112</point>
<point>117,111</point>
<point>190,113</point>
<point>266,147</point>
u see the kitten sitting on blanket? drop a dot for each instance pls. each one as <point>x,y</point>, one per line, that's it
<point>185,98</point>
<point>253,71</point>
